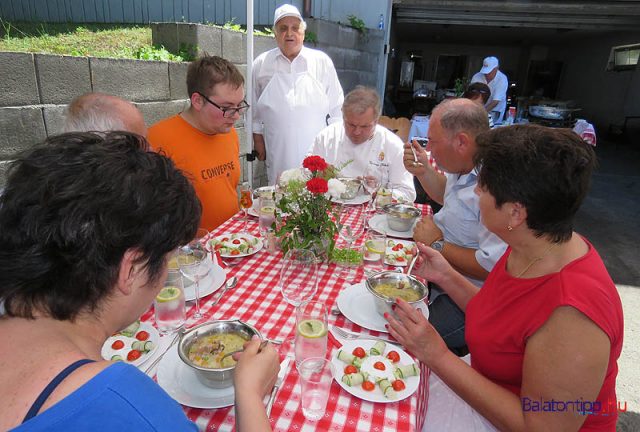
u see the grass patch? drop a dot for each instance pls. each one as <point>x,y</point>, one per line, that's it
<point>96,40</point>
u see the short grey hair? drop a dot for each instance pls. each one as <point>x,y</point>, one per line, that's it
<point>360,99</point>
<point>94,112</point>
<point>461,115</point>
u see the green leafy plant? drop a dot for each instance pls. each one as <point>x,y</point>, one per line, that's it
<point>460,85</point>
<point>233,26</point>
<point>356,23</point>
<point>311,37</point>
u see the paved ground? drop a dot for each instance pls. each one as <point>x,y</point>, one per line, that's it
<point>610,219</point>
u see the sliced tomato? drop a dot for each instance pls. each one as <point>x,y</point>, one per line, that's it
<point>133,355</point>
<point>234,252</point>
<point>142,335</point>
<point>359,352</point>
<point>350,369</point>
<point>398,385</point>
<point>393,356</point>
<point>224,239</point>
<point>117,345</point>
<point>368,386</point>
<point>236,242</point>
<point>379,366</point>
<point>400,259</point>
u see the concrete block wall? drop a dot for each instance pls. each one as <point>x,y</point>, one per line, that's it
<point>36,88</point>
<point>355,54</point>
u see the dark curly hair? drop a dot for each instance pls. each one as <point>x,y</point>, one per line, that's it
<point>547,170</point>
<point>71,209</point>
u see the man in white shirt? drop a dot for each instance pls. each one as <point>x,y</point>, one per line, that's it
<point>456,231</point>
<point>360,139</point>
<point>295,89</point>
<point>498,84</point>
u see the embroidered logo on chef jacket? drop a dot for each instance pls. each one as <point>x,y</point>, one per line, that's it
<point>381,156</point>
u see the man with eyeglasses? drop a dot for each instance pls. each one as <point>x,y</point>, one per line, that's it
<point>362,141</point>
<point>296,93</point>
<point>202,140</point>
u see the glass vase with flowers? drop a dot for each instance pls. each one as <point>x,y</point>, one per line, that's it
<point>306,217</point>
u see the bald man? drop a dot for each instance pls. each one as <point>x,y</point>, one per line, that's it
<point>103,112</point>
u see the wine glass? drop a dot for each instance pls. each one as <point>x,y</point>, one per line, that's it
<point>371,180</point>
<point>298,276</point>
<point>350,231</point>
<point>246,201</point>
<point>194,263</point>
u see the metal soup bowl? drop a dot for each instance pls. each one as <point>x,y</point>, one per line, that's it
<point>384,303</point>
<point>214,378</point>
<point>401,217</point>
<point>352,185</point>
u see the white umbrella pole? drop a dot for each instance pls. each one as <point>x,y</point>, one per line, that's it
<point>248,124</point>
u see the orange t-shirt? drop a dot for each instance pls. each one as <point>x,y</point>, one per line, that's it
<point>211,161</point>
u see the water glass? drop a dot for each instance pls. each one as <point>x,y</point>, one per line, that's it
<point>169,304</point>
<point>194,263</point>
<point>374,248</point>
<point>384,196</point>
<point>266,215</point>
<point>311,331</point>
<point>298,276</point>
<point>316,375</point>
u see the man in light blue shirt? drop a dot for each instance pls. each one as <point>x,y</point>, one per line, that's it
<point>456,230</point>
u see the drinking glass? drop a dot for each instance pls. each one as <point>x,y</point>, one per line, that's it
<point>266,215</point>
<point>246,201</point>
<point>194,263</point>
<point>311,331</point>
<point>374,248</point>
<point>316,375</point>
<point>384,195</point>
<point>371,180</point>
<point>298,276</point>
<point>169,304</point>
<point>350,230</point>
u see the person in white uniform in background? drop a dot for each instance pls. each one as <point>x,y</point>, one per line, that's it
<point>498,84</point>
<point>295,89</point>
<point>360,139</point>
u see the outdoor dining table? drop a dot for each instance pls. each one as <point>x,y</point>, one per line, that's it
<point>257,301</point>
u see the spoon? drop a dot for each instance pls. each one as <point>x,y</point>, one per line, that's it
<point>262,345</point>
<point>229,284</point>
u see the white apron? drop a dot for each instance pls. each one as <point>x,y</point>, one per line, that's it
<point>293,108</point>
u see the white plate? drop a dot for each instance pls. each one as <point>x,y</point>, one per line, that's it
<point>375,395</point>
<point>253,211</point>
<point>208,285</point>
<point>182,384</point>
<point>239,236</point>
<point>107,352</point>
<point>357,200</point>
<point>379,223</point>
<point>357,304</point>
<point>407,245</point>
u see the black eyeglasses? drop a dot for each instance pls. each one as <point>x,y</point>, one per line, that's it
<point>228,112</point>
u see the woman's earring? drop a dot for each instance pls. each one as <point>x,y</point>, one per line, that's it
<point>509,227</point>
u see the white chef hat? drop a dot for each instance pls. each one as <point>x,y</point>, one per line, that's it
<point>286,10</point>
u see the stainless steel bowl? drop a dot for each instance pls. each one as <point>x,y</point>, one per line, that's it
<point>550,112</point>
<point>214,378</point>
<point>264,192</point>
<point>383,303</point>
<point>353,186</point>
<point>401,217</point>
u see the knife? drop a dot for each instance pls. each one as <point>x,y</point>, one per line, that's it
<point>284,368</point>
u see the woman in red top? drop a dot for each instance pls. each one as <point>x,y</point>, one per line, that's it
<point>545,331</point>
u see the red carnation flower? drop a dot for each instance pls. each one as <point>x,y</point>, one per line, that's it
<point>318,185</point>
<point>314,163</point>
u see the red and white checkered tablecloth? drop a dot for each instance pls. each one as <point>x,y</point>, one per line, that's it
<point>257,301</point>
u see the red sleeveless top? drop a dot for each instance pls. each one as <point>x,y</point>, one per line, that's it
<point>508,310</point>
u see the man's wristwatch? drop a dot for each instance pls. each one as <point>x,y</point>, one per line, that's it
<point>438,245</point>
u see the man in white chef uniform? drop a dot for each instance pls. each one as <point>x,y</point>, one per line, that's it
<point>362,141</point>
<point>498,83</point>
<point>296,93</point>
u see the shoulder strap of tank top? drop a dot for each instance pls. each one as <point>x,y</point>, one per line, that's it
<point>41,399</point>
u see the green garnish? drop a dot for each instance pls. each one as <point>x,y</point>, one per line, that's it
<point>346,256</point>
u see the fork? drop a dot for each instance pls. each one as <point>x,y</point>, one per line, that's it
<point>353,336</point>
<point>173,342</point>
